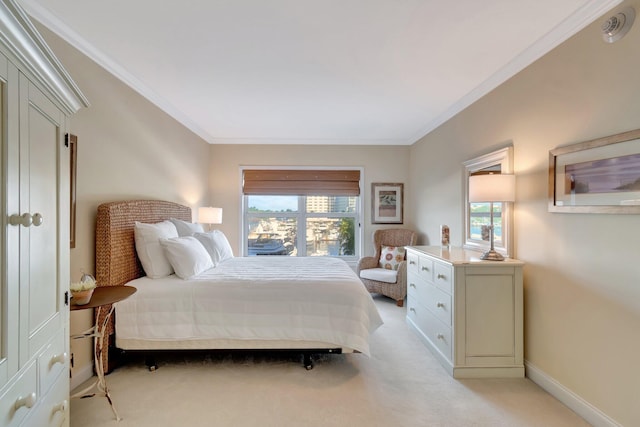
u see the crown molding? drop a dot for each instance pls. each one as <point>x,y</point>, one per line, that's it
<point>28,48</point>
<point>584,16</point>
<point>46,18</point>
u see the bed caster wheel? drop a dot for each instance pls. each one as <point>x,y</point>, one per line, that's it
<point>307,362</point>
<point>150,361</point>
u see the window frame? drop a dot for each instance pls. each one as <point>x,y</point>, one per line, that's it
<point>302,214</point>
<point>504,159</point>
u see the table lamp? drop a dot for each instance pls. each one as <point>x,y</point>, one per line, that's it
<point>492,188</point>
<point>208,215</point>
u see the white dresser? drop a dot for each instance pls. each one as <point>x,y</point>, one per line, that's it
<point>467,311</point>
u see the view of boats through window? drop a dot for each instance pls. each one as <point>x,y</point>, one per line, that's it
<point>301,225</point>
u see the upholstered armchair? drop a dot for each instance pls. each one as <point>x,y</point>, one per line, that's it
<point>386,272</point>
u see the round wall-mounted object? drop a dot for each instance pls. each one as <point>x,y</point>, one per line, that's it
<point>614,28</point>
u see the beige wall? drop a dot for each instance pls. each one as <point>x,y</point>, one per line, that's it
<point>582,278</point>
<point>380,163</point>
<point>127,149</point>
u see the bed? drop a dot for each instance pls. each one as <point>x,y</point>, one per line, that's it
<point>305,304</point>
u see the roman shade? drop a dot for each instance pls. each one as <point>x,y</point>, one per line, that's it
<point>301,182</point>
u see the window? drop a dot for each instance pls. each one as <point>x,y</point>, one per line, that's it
<point>477,215</point>
<point>301,213</point>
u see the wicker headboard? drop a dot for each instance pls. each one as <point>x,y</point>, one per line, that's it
<point>116,259</point>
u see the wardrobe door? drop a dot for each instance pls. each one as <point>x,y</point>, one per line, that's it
<point>9,235</point>
<point>42,302</point>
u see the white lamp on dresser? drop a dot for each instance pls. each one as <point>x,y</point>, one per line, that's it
<point>492,188</point>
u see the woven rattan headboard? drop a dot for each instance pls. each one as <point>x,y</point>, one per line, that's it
<point>116,259</point>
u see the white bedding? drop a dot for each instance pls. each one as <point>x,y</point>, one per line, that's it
<point>312,301</point>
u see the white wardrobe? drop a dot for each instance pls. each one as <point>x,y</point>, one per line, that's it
<point>37,97</point>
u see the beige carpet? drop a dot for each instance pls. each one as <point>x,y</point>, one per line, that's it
<point>401,384</point>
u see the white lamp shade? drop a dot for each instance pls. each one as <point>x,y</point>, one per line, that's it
<point>208,215</point>
<point>492,188</point>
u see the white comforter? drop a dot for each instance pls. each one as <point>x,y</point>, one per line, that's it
<point>316,299</point>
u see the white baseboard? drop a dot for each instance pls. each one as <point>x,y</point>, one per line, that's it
<point>590,413</point>
<point>81,375</point>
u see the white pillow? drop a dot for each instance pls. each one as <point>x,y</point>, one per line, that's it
<point>186,228</point>
<point>187,256</point>
<point>152,257</point>
<point>216,243</point>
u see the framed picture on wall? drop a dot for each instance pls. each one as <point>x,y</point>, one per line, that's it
<point>387,203</point>
<point>598,176</point>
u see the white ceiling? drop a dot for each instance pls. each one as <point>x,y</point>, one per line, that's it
<point>314,72</point>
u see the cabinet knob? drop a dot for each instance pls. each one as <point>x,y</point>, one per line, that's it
<point>441,276</point>
<point>425,268</point>
<point>412,262</point>
<point>440,305</point>
<point>412,285</point>
<point>26,401</point>
<point>440,336</point>
<point>26,219</point>
<point>37,219</point>
<point>59,358</point>
<point>412,309</point>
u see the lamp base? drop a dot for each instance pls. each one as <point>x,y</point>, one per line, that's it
<point>492,255</point>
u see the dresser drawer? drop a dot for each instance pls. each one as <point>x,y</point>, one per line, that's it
<point>439,303</point>
<point>23,387</point>
<point>53,410</point>
<point>52,361</point>
<point>412,263</point>
<point>426,268</point>
<point>433,329</point>
<point>416,285</point>
<point>443,275</point>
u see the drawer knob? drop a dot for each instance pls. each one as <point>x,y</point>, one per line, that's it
<point>412,263</point>
<point>412,309</point>
<point>440,336</point>
<point>60,358</point>
<point>62,407</point>
<point>440,305</point>
<point>441,276</point>
<point>412,285</point>
<point>27,401</point>
<point>425,268</point>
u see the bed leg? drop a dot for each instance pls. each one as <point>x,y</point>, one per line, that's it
<point>307,362</point>
<point>150,361</point>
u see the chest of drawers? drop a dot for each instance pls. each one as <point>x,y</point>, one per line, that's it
<point>468,312</point>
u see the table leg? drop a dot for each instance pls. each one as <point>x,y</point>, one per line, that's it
<point>101,382</point>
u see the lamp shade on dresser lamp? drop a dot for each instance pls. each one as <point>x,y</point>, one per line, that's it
<point>491,188</point>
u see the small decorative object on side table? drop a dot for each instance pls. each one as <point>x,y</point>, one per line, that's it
<point>81,291</point>
<point>102,296</point>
